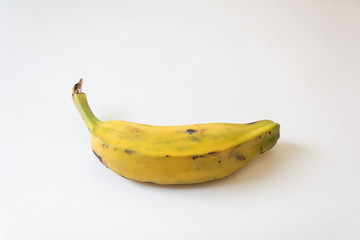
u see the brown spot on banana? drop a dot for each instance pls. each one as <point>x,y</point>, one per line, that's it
<point>197,156</point>
<point>212,153</point>
<point>261,150</point>
<point>136,130</point>
<point>191,131</point>
<point>100,158</point>
<point>240,157</point>
<point>129,151</point>
<point>105,146</point>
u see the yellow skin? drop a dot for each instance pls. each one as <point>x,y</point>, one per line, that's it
<point>175,154</point>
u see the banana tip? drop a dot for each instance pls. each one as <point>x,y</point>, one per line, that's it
<point>77,87</point>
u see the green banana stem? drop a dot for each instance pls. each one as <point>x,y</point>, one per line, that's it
<point>81,103</point>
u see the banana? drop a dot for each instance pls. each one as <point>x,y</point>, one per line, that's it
<point>175,154</point>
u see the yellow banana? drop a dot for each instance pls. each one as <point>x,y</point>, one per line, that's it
<point>175,154</point>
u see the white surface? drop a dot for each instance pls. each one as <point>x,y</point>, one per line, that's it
<point>180,62</point>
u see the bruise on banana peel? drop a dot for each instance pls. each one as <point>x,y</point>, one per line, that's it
<point>100,158</point>
<point>175,154</point>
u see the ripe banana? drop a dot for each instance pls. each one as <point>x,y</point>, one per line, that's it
<point>175,154</point>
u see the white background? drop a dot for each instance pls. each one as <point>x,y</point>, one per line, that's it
<point>180,62</point>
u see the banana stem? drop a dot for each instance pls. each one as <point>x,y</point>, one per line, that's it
<point>81,103</point>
